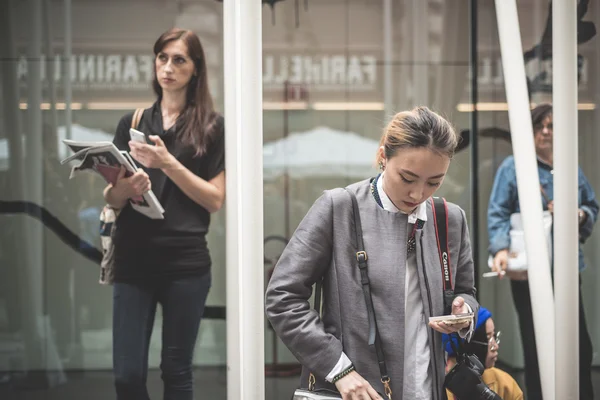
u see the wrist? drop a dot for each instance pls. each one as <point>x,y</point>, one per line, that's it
<point>116,195</point>
<point>171,163</point>
<point>343,373</point>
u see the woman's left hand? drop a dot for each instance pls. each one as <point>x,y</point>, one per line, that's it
<point>149,156</point>
<point>458,307</point>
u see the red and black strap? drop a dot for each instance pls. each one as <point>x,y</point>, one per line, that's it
<point>440,219</point>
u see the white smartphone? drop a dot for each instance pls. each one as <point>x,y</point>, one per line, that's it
<point>137,136</point>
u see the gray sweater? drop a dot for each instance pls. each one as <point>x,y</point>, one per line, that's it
<point>324,246</point>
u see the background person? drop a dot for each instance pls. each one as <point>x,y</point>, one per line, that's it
<point>167,262</point>
<point>504,201</point>
<point>485,344</point>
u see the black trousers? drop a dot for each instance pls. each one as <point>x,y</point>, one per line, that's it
<point>522,301</point>
<point>134,307</point>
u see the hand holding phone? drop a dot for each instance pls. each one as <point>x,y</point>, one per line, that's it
<point>137,136</point>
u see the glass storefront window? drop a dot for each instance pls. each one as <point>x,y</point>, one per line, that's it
<point>334,73</point>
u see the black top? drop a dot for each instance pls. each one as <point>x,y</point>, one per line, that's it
<point>175,246</point>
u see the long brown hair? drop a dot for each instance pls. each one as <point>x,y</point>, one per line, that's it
<point>198,116</point>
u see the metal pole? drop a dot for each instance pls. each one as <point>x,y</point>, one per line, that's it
<point>566,232</point>
<point>50,66</point>
<point>388,57</point>
<point>593,252</point>
<point>19,312</point>
<point>67,69</point>
<point>474,138</point>
<point>243,143</point>
<point>10,105</point>
<point>34,184</point>
<point>420,43</point>
<point>540,283</point>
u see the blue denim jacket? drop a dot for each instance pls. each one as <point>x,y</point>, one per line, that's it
<point>504,201</point>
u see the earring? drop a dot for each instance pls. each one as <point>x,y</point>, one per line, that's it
<point>381,166</point>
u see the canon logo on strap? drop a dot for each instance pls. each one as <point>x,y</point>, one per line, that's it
<point>445,261</point>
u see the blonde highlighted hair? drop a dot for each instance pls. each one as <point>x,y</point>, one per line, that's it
<point>419,127</point>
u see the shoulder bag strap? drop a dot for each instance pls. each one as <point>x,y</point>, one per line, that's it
<point>440,219</point>
<point>361,257</point>
<point>137,116</point>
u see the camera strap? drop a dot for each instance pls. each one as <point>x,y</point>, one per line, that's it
<point>440,219</point>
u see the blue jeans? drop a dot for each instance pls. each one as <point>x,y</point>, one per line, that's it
<point>134,307</point>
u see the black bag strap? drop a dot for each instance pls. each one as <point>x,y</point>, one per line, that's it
<point>361,257</point>
<point>440,219</point>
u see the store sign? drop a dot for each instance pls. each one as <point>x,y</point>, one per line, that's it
<point>96,71</point>
<point>539,74</point>
<point>134,72</point>
<point>325,73</point>
<point>334,72</point>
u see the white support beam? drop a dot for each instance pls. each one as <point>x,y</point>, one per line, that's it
<point>566,230</point>
<point>243,147</point>
<point>528,185</point>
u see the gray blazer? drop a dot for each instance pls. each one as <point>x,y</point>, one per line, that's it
<point>324,246</point>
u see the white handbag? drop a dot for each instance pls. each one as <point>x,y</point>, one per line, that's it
<point>517,256</point>
<point>321,394</point>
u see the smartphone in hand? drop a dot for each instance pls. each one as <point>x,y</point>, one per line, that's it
<point>137,136</point>
<point>453,319</point>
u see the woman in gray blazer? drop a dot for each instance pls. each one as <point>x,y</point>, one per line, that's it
<point>404,270</point>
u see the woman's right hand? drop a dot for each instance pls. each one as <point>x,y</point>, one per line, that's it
<point>128,187</point>
<point>500,265</point>
<point>355,387</point>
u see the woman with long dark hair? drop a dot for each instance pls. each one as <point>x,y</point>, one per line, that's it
<point>166,261</point>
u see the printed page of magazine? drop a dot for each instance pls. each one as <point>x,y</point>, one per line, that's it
<point>106,160</point>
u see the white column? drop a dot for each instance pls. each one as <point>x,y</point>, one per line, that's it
<point>388,58</point>
<point>243,144</point>
<point>528,185</point>
<point>566,232</point>
<point>67,69</point>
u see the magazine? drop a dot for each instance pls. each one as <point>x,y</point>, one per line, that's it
<point>105,159</point>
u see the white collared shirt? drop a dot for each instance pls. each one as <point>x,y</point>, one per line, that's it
<point>417,357</point>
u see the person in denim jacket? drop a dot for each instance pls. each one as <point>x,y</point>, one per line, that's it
<point>504,201</point>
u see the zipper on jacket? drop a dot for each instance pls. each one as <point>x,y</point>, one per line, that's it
<point>434,380</point>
